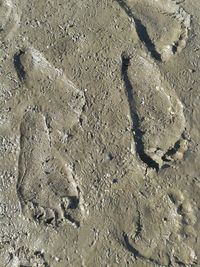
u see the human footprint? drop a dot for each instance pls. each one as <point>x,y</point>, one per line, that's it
<point>46,186</point>
<point>162,26</point>
<point>165,225</point>
<point>60,101</point>
<point>156,112</point>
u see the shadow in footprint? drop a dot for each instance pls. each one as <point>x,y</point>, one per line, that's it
<point>129,247</point>
<point>18,65</point>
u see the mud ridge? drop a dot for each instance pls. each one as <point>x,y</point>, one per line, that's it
<point>141,31</point>
<point>137,133</point>
<point>129,247</point>
<point>135,252</point>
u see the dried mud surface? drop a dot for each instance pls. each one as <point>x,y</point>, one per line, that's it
<point>99,133</point>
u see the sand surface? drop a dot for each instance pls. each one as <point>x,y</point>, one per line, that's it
<point>99,133</point>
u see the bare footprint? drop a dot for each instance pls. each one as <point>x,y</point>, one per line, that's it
<point>163,26</point>
<point>61,102</point>
<point>9,19</point>
<point>156,112</point>
<point>46,187</point>
<point>172,24</point>
<point>166,234</point>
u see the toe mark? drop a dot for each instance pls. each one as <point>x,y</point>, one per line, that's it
<point>73,202</point>
<point>72,220</point>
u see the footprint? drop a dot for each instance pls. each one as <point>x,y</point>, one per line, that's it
<point>156,112</point>
<point>61,102</point>
<point>9,19</point>
<point>46,186</point>
<point>166,230</point>
<point>171,35</point>
<point>162,26</point>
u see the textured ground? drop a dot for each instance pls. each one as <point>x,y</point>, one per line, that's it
<point>99,133</point>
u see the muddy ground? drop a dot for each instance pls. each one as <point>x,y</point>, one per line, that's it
<point>99,133</point>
